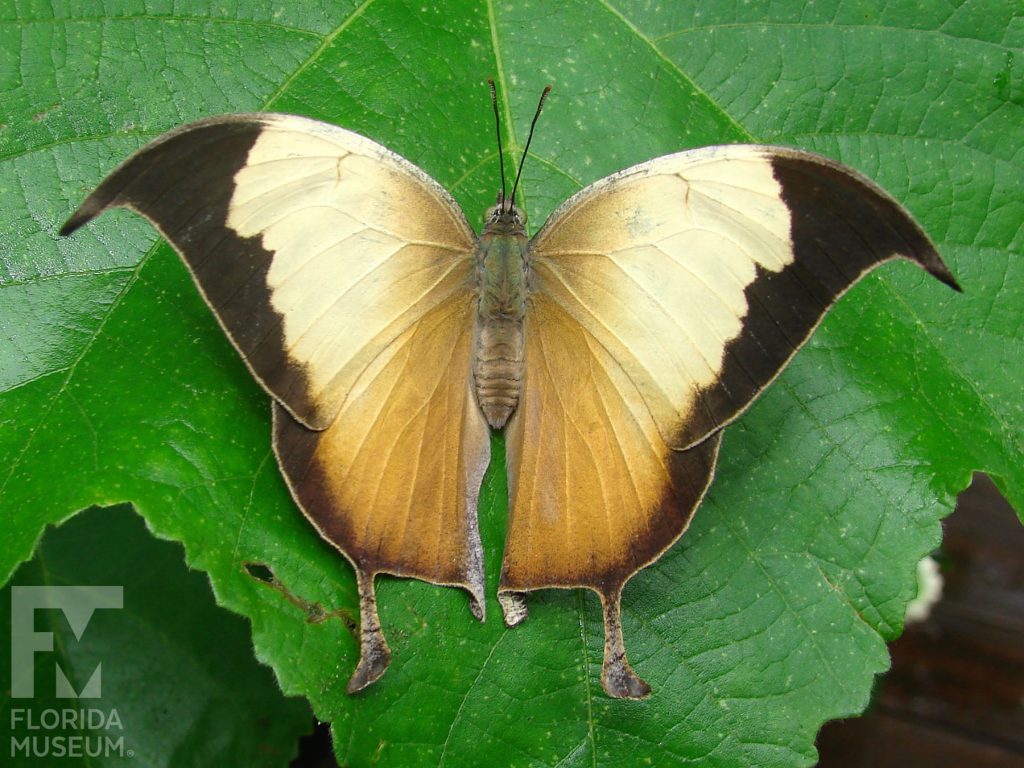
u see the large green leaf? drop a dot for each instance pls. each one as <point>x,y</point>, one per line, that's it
<point>771,615</point>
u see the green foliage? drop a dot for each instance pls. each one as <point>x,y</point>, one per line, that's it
<point>178,686</point>
<point>770,616</point>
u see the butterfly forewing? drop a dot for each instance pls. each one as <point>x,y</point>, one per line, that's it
<point>703,272</point>
<point>315,246</point>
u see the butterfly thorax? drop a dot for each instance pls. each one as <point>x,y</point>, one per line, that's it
<point>501,311</point>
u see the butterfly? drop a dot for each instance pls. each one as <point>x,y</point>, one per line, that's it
<point>612,347</point>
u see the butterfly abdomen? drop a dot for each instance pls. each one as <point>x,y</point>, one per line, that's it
<point>498,370</point>
<point>501,312</point>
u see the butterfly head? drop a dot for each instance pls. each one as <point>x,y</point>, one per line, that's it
<point>504,216</point>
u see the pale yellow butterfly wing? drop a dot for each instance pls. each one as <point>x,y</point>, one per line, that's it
<point>346,278</point>
<point>663,300</point>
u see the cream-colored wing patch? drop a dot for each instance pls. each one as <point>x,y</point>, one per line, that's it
<point>363,243</point>
<point>655,262</point>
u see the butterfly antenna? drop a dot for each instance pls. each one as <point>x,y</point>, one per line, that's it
<point>497,130</point>
<point>540,106</point>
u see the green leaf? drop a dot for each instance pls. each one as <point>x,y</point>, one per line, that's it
<point>176,681</point>
<point>770,615</point>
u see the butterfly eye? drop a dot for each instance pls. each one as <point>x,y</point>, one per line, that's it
<point>491,214</point>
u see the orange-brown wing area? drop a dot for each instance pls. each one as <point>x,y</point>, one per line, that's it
<point>393,481</point>
<point>596,493</point>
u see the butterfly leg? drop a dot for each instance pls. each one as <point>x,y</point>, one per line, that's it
<point>617,677</point>
<point>374,654</point>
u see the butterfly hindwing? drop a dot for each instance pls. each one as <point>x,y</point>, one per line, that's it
<point>663,300</point>
<point>397,474</point>
<point>346,279</point>
<point>595,492</point>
